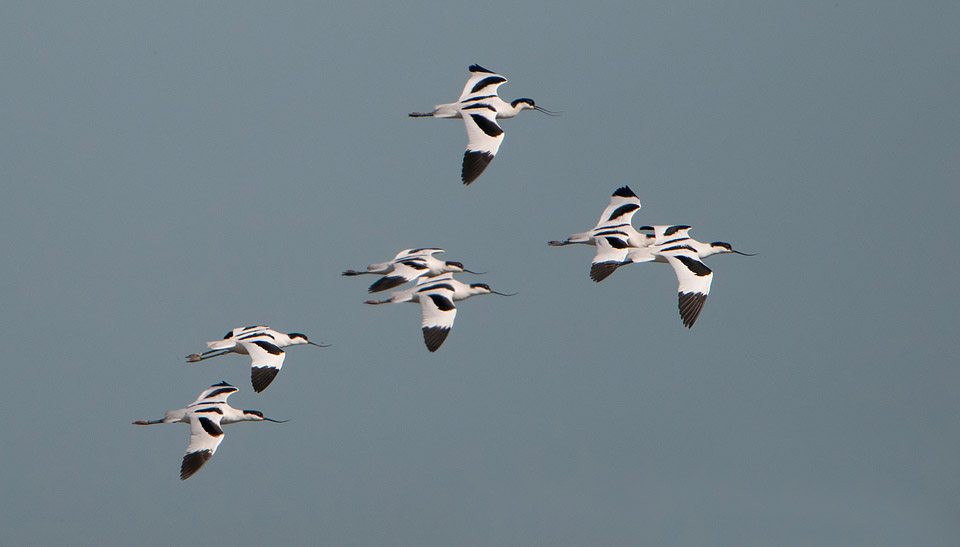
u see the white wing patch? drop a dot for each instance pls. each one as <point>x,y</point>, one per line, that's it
<point>205,436</point>
<point>694,278</point>
<point>266,361</point>
<point>438,313</point>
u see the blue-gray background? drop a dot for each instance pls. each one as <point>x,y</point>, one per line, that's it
<point>171,170</point>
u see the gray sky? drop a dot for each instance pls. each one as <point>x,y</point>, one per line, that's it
<point>172,170</point>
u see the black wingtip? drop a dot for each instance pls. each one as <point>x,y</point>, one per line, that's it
<point>434,337</point>
<point>192,463</point>
<point>478,68</point>
<point>602,270</point>
<point>624,192</point>
<point>261,377</point>
<point>473,165</point>
<point>690,305</point>
<point>385,283</point>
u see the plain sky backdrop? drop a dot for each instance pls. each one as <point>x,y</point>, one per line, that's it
<point>171,170</point>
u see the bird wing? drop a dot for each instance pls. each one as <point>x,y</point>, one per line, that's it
<point>665,234</point>
<point>419,252</point>
<point>205,437</point>
<point>611,253</point>
<point>230,339</point>
<point>217,393</point>
<point>266,361</point>
<point>623,204</point>
<point>438,311</point>
<point>403,272</point>
<point>484,137</point>
<point>694,279</point>
<point>482,83</point>
<point>423,280</point>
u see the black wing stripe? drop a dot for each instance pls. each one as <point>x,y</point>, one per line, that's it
<point>622,210</point>
<point>487,126</point>
<point>695,266</point>
<point>443,303</point>
<point>268,347</point>
<point>211,427</point>
<point>617,243</point>
<point>220,391</point>
<point>489,80</point>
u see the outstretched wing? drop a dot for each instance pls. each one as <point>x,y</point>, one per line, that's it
<point>667,234</point>
<point>482,83</point>
<point>266,361</point>
<point>611,253</point>
<point>694,279</point>
<point>415,252</point>
<point>403,272</point>
<point>484,137</point>
<point>217,393</point>
<point>230,339</point>
<point>438,313</point>
<point>205,437</point>
<point>623,204</point>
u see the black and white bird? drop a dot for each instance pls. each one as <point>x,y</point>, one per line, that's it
<point>408,265</point>
<point>262,344</point>
<point>436,296</point>
<point>615,221</point>
<point>206,417</point>
<point>479,106</point>
<point>674,247</point>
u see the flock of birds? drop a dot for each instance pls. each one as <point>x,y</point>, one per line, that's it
<point>617,244</point>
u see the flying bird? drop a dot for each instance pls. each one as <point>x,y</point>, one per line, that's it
<point>262,344</point>
<point>614,221</point>
<point>479,106</point>
<point>206,417</point>
<point>436,296</point>
<point>684,254</point>
<point>408,265</point>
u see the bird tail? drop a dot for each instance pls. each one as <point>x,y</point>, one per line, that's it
<point>220,344</point>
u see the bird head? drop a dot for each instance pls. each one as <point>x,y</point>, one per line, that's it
<point>257,416</point>
<point>719,247</point>
<point>297,338</point>
<point>525,103</point>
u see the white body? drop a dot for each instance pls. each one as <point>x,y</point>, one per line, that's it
<point>479,107</point>
<point>206,415</point>
<point>408,265</point>
<point>381,268</point>
<point>616,220</point>
<point>262,344</point>
<point>675,247</point>
<point>436,297</point>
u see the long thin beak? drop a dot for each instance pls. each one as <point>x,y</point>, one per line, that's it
<point>475,273</point>
<point>745,254</point>
<point>275,421</point>
<point>545,111</point>
<point>503,293</point>
<point>319,345</point>
<point>147,422</point>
